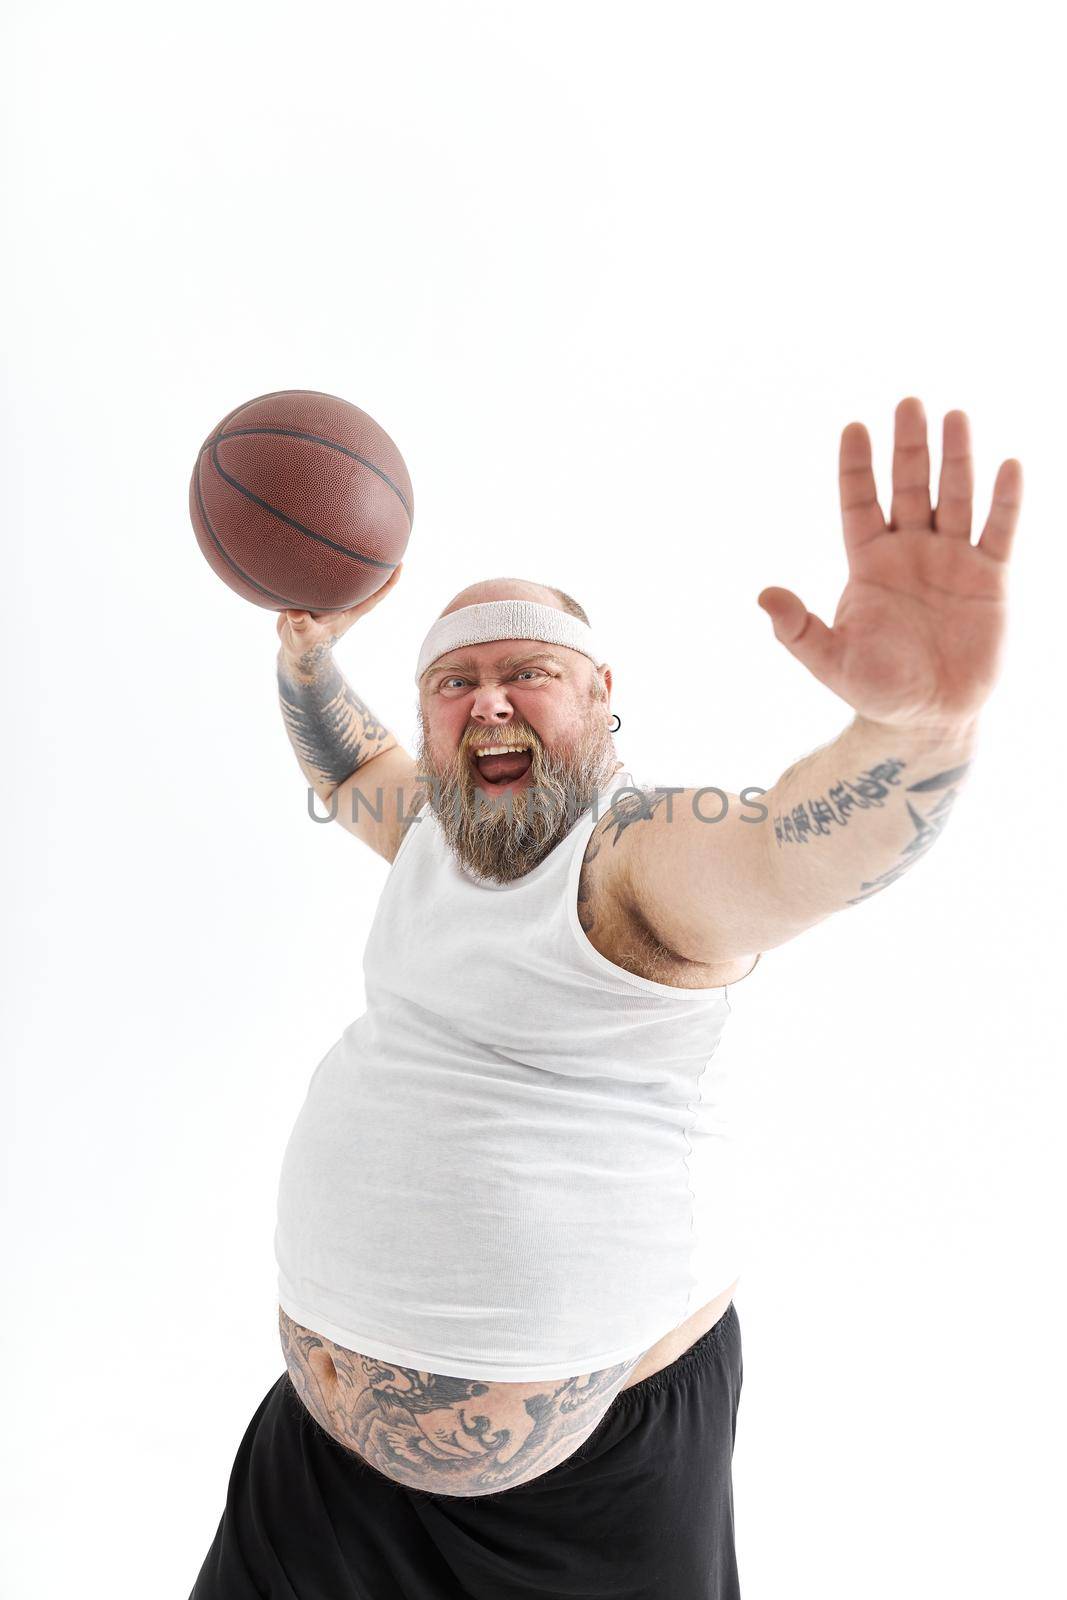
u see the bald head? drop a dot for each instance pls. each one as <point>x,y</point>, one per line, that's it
<point>514,589</point>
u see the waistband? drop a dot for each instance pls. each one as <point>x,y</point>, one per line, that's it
<point>702,1351</point>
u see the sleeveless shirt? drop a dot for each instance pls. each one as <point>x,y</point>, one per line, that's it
<point>517,1164</point>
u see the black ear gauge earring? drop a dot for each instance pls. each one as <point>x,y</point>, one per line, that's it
<point>618,723</point>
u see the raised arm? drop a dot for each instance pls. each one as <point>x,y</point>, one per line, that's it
<point>335,734</point>
<point>915,651</point>
<point>717,881</point>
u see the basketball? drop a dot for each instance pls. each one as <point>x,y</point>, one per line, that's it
<point>300,501</point>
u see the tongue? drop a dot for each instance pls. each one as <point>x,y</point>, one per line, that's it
<point>502,769</point>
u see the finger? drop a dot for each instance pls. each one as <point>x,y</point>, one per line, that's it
<point>911,468</point>
<point>955,489</point>
<point>861,515</point>
<point>379,594</point>
<point>999,530</point>
<point>802,632</point>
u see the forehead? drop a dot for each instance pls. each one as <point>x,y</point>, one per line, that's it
<point>496,657</point>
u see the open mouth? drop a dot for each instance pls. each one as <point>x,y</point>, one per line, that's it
<point>499,769</point>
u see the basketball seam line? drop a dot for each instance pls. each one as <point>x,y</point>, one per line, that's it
<point>270,395</point>
<point>369,561</point>
<point>288,605</point>
<point>236,412</point>
<point>312,438</point>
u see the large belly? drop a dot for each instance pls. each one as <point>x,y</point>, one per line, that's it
<point>461,1436</point>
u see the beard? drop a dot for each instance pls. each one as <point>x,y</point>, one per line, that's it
<point>501,837</point>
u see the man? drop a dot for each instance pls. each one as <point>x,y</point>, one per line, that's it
<point>505,1243</point>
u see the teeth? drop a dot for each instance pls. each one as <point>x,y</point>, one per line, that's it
<point>502,750</point>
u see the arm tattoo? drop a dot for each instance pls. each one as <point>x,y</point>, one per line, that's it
<point>809,820</point>
<point>630,807</point>
<point>634,805</point>
<point>927,829</point>
<point>331,728</point>
<point>804,821</point>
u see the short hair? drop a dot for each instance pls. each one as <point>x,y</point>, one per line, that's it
<point>569,604</point>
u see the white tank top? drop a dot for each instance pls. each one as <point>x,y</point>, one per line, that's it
<point>517,1163</point>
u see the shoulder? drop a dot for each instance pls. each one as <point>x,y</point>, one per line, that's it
<point>625,900</point>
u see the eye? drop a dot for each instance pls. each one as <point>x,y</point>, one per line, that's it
<point>446,683</point>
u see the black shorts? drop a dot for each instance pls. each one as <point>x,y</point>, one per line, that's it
<point>643,1509</point>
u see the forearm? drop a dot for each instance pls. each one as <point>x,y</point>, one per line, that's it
<point>332,731</point>
<point>852,817</point>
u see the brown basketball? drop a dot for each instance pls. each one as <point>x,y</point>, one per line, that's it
<point>301,501</point>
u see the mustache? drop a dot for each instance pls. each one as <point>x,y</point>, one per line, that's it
<point>515,736</point>
<point>501,837</point>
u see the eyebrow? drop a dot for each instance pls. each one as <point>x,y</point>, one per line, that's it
<point>469,667</point>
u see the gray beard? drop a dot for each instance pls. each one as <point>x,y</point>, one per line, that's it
<point>501,837</point>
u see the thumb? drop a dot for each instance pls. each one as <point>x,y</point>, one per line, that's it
<point>801,631</point>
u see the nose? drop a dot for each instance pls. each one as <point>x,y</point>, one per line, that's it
<point>491,705</point>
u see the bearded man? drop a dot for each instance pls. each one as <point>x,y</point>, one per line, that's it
<point>507,1239</point>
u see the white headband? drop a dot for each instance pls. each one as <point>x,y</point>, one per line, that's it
<point>506,619</point>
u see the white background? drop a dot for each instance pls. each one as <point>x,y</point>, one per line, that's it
<point>614,277</point>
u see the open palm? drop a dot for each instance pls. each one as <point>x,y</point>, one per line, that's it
<point>918,632</point>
